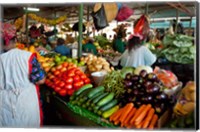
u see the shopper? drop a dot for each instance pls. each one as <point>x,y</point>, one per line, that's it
<point>89,47</point>
<point>118,44</point>
<point>61,48</point>
<point>44,43</point>
<point>20,75</point>
<point>136,54</point>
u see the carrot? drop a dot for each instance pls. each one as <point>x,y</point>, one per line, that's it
<point>140,125</point>
<point>148,118</point>
<point>114,114</point>
<point>116,122</point>
<point>153,121</point>
<point>138,112</point>
<point>126,111</point>
<point>142,114</point>
<point>126,122</point>
<point>117,116</point>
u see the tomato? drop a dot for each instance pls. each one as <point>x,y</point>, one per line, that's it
<point>53,69</point>
<point>57,89</point>
<point>63,69</point>
<point>78,72</point>
<point>76,78</point>
<point>81,83</point>
<point>56,73</point>
<point>69,80</point>
<point>61,84</point>
<point>70,92</point>
<point>70,74</point>
<point>63,92</point>
<point>87,81</point>
<point>51,77</point>
<point>65,64</point>
<point>83,76</point>
<point>58,67</point>
<point>76,85</point>
<point>68,86</point>
<point>57,82</point>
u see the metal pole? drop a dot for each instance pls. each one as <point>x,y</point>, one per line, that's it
<point>190,27</point>
<point>147,9</point>
<point>177,14</point>
<point>26,12</point>
<point>88,19</point>
<point>80,28</point>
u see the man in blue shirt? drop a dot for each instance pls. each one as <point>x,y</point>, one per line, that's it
<point>61,48</point>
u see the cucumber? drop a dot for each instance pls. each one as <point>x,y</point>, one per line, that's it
<point>95,91</point>
<point>95,96</point>
<point>84,99</point>
<point>84,93</point>
<point>106,99</point>
<point>99,98</point>
<point>109,112</point>
<point>83,88</point>
<point>108,105</point>
<point>72,98</point>
<point>96,108</point>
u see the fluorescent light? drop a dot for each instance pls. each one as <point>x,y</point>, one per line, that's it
<point>32,9</point>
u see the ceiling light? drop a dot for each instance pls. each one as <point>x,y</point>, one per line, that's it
<point>32,9</point>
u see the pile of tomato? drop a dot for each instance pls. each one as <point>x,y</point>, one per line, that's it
<point>66,78</point>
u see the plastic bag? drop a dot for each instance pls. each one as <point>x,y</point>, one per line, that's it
<point>124,13</point>
<point>99,18</point>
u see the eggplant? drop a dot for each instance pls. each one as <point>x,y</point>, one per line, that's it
<point>135,78</point>
<point>147,83</point>
<point>128,84</point>
<point>153,89</point>
<point>152,77</point>
<point>128,76</point>
<point>143,73</point>
<point>136,92</point>
<point>160,108</point>
<point>162,97</point>
<point>129,91</point>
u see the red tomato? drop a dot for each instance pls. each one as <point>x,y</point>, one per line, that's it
<point>61,84</point>
<point>63,92</point>
<point>56,73</point>
<point>53,69</point>
<point>57,89</point>
<point>65,64</point>
<point>76,78</point>
<point>78,72</point>
<point>63,69</point>
<point>51,76</point>
<point>76,85</point>
<point>87,81</point>
<point>58,67</point>
<point>81,82</point>
<point>57,82</point>
<point>70,92</point>
<point>83,76</point>
<point>68,86</point>
<point>69,80</point>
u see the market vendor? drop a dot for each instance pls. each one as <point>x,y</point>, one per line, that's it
<point>19,92</point>
<point>137,54</point>
<point>61,48</point>
<point>89,47</point>
<point>45,44</point>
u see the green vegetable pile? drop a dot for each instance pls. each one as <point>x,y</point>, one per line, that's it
<point>103,42</point>
<point>113,82</point>
<point>178,49</point>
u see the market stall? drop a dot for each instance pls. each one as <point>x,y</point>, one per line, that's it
<point>87,90</point>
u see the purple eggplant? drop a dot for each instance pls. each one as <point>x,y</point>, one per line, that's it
<point>128,76</point>
<point>143,73</point>
<point>135,78</point>
<point>136,92</point>
<point>147,83</point>
<point>162,97</point>
<point>153,89</point>
<point>152,77</point>
<point>128,84</point>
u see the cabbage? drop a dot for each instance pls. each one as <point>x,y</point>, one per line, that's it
<point>140,68</point>
<point>127,70</point>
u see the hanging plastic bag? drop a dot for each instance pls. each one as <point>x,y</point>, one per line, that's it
<point>124,13</point>
<point>99,18</point>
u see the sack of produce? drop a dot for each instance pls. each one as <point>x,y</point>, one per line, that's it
<point>99,18</point>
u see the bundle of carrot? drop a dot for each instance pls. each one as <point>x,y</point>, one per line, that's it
<point>131,117</point>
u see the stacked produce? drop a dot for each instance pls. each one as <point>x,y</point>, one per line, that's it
<point>132,117</point>
<point>146,88</point>
<point>178,48</point>
<point>96,100</point>
<point>46,62</point>
<point>66,78</point>
<point>95,63</point>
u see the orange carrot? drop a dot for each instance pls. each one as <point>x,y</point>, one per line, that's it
<point>114,114</point>
<point>140,125</point>
<point>153,121</point>
<point>116,122</point>
<point>126,111</point>
<point>142,114</point>
<point>117,116</point>
<point>126,122</point>
<point>138,112</point>
<point>148,118</point>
